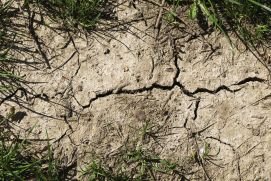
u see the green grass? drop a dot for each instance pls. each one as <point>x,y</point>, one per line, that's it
<point>7,76</point>
<point>96,171</point>
<point>136,164</point>
<point>73,13</point>
<point>250,19</point>
<point>16,163</point>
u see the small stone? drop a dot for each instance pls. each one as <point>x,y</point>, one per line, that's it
<point>126,69</point>
<point>80,88</point>
<point>107,51</point>
<point>169,69</point>
<point>255,132</point>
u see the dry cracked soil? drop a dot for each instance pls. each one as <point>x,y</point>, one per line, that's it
<point>191,87</point>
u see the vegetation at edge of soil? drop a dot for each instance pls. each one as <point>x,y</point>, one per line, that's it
<point>16,163</point>
<point>250,19</point>
<point>145,166</point>
<point>7,75</point>
<point>72,13</point>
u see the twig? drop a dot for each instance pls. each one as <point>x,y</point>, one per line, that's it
<point>36,38</point>
<point>13,94</point>
<point>158,21</point>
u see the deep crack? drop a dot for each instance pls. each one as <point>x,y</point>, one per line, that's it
<point>250,79</point>
<point>176,83</point>
<point>196,109</point>
<point>205,90</point>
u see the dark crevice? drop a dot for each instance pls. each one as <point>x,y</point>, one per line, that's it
<point>161,87</point>
<point>185,122</point>
<point>104,94</point>
<point>250,79</point>
<point>123,91</point>
<point>205,90</point>
<point>176,83</point>
<point>144,89</point>
<point>178,71</point>
<point>196,109</point>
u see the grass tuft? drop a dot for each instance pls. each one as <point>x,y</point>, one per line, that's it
<point>73,13</point>
<point>137,164</point>
<point>7,77</point>
<point>250,19</point>
<point>15,161</point>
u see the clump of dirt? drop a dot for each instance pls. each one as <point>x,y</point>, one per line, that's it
<point>203,104</point>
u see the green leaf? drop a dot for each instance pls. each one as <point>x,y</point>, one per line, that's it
<point>193,11</point>
<point>92,177</point>
<point>235,2</point>
<point>213,18</point>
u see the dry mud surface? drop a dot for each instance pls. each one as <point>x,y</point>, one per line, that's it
<point>193,88</point>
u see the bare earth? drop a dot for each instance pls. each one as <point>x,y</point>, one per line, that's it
<point>191,87</point>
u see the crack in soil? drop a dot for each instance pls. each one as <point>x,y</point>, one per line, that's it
<point>196,109</point>
<point>176,84</point>
<point>250,79</point>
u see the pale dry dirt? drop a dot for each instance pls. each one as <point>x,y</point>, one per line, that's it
<point>192,87</point>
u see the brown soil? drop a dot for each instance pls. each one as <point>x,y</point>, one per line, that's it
<point>190,86</point>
